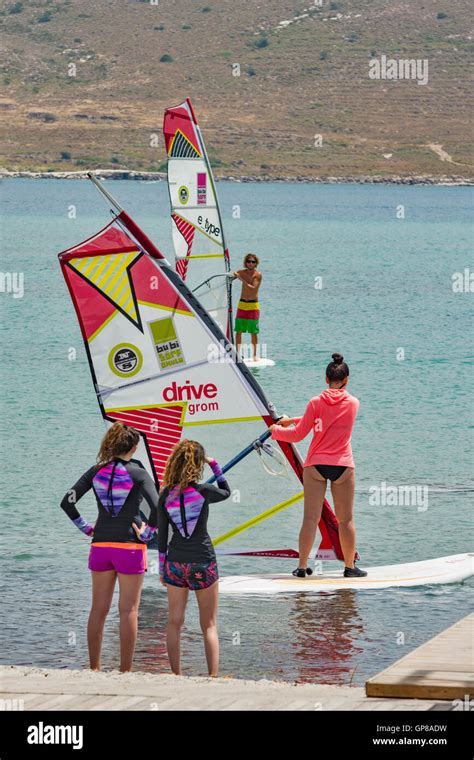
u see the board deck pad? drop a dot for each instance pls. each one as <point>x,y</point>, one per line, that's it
<point>451,569</point>
<point>259,362</point>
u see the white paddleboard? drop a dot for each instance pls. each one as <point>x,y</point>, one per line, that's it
<point>452,569</point>
<point>259,363</point>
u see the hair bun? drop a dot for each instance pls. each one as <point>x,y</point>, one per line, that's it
<point>337,358</point>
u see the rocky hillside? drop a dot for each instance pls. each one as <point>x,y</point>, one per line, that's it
<point>85,85</point>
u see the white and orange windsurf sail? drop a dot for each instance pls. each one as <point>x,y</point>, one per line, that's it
<point>161,364</point>
<point>202,257</point>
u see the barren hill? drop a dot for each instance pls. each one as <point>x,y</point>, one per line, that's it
<point>86,83</point>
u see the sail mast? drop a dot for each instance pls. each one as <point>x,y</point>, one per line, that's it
<point>128,222</point>
<point>104,192</point>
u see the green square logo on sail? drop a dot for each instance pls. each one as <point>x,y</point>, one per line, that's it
<point>166,342</point>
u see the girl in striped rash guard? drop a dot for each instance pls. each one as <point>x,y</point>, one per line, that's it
<point>188,560</point>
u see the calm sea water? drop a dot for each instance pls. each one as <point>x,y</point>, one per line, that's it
<point>387,285</point>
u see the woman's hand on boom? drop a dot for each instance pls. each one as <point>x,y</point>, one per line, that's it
<point>285,421</point>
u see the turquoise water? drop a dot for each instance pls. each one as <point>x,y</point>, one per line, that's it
<point>387,284</point>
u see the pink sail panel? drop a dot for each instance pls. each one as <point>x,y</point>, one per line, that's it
<point>160,426</point>
<point>110,239</point>
<point>180,134</point>
<point>146,288</point>
<point>84,296</point>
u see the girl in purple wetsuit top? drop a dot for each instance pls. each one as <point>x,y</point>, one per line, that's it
<point>188,560</point>
<point>117,548</point>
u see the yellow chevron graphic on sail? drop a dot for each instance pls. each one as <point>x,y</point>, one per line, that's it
<point>109,275</point>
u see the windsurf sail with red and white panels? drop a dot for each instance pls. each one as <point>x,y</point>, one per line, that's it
<point>202,258</point>
<point>161,364</point>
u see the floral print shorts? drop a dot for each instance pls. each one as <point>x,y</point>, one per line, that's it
<point>193,575</point>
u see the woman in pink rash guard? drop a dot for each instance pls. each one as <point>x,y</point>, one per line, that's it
<point>331,417</point>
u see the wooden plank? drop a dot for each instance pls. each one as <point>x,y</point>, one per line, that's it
<point>119,703</point>
<point>31,701</point>
<point>84,701</point>
<point>439,665</point>
<point>412,679</point>
<point>55,702</point>
<point>413,691</point>
<point>79,703</point>
<point>433,674</point>
<point>442,668</point>
<point>144,705</point>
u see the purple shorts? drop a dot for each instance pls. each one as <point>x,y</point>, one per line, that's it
<point>123,558</point>
<point>193,575</point>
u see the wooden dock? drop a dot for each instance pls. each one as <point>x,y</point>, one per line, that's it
<point>442,668</point>
<point>29,688</point>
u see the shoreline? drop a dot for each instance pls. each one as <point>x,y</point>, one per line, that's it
<point>119,174</point>
<point>428,678</point>
<point>32,688</point>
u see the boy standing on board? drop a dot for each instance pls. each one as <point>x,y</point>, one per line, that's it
<point>248,309</point>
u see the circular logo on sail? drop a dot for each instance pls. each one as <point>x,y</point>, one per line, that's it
<point>125,360</point>
<point>183,194</point>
